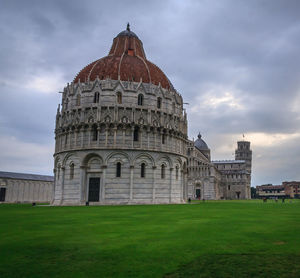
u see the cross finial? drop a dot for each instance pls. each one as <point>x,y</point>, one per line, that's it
<point>128,27</point>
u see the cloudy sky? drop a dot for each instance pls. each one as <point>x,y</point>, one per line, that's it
<point>237,64</point>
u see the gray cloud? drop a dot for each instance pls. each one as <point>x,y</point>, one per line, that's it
<point>235,62</point>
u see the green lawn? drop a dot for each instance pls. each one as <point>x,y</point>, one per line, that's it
<point>211,239</point>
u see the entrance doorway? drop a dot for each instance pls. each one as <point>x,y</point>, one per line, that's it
<point>2,194</point>
<point>198,193</point>
<point>94,189</point>
<point>238,194</point>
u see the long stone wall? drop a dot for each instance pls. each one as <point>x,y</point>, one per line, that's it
<point>27,191</point>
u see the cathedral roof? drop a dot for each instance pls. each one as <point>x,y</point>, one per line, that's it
<point>200,144</point>
<point>22,176</point>
<point>126,61</point>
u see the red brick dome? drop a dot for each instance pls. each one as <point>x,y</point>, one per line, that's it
<point>126,61</point>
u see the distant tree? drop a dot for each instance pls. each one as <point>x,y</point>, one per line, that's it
<point>253,192</point>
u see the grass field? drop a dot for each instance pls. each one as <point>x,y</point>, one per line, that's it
<point>211,239</point>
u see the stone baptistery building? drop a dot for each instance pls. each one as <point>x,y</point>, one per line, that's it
<point>121,138</point>
<point>121,132</point>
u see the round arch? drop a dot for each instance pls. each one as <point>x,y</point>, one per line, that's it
<point>90,156</point>
<point>144,155</point>
<point>110,155</point>
<point>162,157</point>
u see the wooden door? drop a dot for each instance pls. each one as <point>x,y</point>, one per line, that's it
<point>94,189</point>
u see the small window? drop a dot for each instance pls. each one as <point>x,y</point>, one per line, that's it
<point>163,171</point>
<point>140,99</point>
<point>71,171</point>
<point>118,170</point>
<point>163,138</point>
<point>159,102</point>
<point>67,102</point>
<point>136,134</point>
<point>173,107</point>
<point>94,133</point>
<point>119,98</point>
<point>177,170</point>
<point>143,170</point>
<point>228,187</point>
<point>78,100</point>
<point>96,97</point>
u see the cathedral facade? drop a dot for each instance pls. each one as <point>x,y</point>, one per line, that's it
<point>121,137</point>
<point>218,179</point>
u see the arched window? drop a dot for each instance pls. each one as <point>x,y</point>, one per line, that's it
<point>119,97</point>
<point>136,134</point>
<point>163,171</point>
<point>163,137</point>
<point>140,99</point>
<point>143,170</point>
<point>173,107</point>
<point>96,97</point>
<point>118,170</point>
<point>94,133</point>
<point>78,99</point>
<point>67,102</point>
<point>177,170</point>
<point>71,171</point>
<point>158,102</point>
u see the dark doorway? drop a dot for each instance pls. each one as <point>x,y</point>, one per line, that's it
<point>238,194</point>
<point>2,194</point>
<point>94,189</point>
<point>198,193</point>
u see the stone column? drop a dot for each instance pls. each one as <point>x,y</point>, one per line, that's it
<point>115,113</point>
<point>153,184</point>
<point>167,142</point>
<point>123,136</point>
<point>98,135</point>
<point>148,140</point>
<point>132,131</point>
<point>62,184</point>
<point>115,136</point>
<point>141,137</point>
<point>89,131</point>
<point>171,185</point>
<point>60,141</point>
<point>106,136</point>
<point>71,134</point>
<point>83,185</point>
<point>76,137</point>
<point>131,183</point>
<point>69,139</point>
<point>82,137</point>
<point>102,196</point>
<point>24,188</point>
<point>56,142</point>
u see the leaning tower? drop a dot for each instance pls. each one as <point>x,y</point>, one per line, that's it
<point>243,152</point>
<point>121,132</point>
